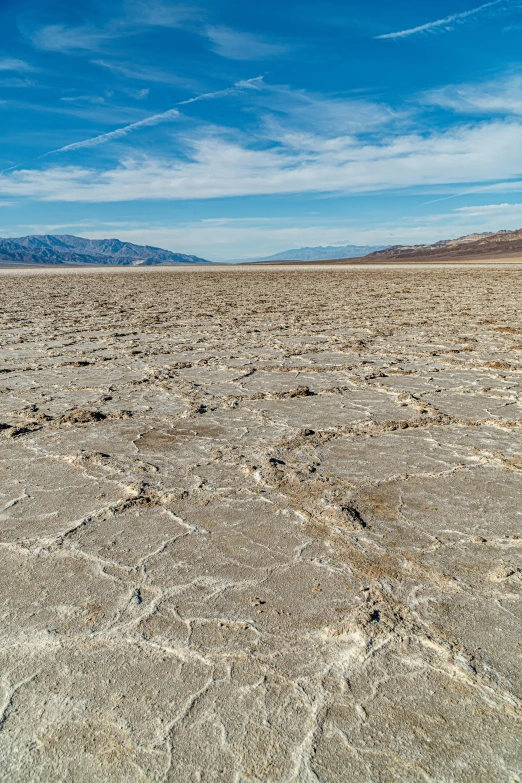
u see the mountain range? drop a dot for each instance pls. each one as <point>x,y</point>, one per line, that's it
<point>51,249</point>
<point>331,252</point>
<point>485,245</point>
<point>69,250</point>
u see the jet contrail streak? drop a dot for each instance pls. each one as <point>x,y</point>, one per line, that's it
<point>249,84</point>
<point>440,22</point>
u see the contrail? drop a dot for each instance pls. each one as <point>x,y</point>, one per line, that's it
<point>441,22</point>
<point>116,134</point>
<point>249,84</point>
<point>469,192</point>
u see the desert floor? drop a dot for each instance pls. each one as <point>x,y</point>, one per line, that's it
<point>261,525</point>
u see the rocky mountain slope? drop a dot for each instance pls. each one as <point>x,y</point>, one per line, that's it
<point>486,245</point>
<point>66,249</point>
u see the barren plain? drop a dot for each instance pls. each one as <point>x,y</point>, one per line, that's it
<point>261,525</point>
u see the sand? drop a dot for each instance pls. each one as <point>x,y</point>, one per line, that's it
<point>261,525</point>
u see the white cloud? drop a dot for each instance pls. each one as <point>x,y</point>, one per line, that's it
<point>138,14</point>
<point>215,165</point>
<point>236,45</point>
<point>494,211</point>
<point>18,66</point>
<point>499,96</point>
<point>157,14</point>
<point>295,116</point>
<point>444,24</point>
<point>138,95</point>
<point>225,41</point>
<point>15,82</point>
<point>95,99</point>
<point>59,38</point>
<point>146,73</point>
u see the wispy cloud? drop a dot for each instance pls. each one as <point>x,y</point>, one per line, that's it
<point>140,14</point>
<point>492,210</point>
<point>211,165</point>
<point>146,73</point>
<point>158,14</point>
<point>138,95</point>
<point>498,96</point>
<point>15,65</point>
<point>94,99</point>
<point>237,45</point>
<point>293,115</point>
<point>17,82</point>
<point>444,24</point>
<point>59,38</point>
<point>137,15</point>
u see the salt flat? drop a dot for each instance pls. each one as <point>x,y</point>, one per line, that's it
<point>261,525</point>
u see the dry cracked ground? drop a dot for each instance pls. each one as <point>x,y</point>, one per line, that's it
<point>261,525</point>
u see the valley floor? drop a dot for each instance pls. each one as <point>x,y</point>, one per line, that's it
<point>261,525</point>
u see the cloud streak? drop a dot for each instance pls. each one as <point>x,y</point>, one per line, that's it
<point>60,38</point>
<point>156,119</point>
<point>441,23</point>
<point>13,64</point>
<point>119,133</point>
<point>237,45</point>
<point>248,84</point>
<point>500,96</point>
<point>146,73</point>
<point>224,41</point>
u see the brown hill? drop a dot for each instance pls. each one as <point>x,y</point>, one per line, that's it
<point>501,244</point>
<point>487,245</point>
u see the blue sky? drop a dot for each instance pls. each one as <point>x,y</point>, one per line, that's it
<point>232,129</point>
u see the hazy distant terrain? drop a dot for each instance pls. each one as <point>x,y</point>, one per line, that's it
<point>321,253</point>
<point>66,249</point>
<point>472,246</point>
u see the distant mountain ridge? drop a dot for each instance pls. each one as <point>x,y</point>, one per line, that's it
<point>487,244</point>
<point>328,253</point>
<point>53,249</point>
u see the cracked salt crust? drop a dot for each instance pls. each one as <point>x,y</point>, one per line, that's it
<point>261,525</point>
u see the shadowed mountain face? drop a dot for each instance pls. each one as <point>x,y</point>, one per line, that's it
<point>66,249</point>
<point>487,245</point>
